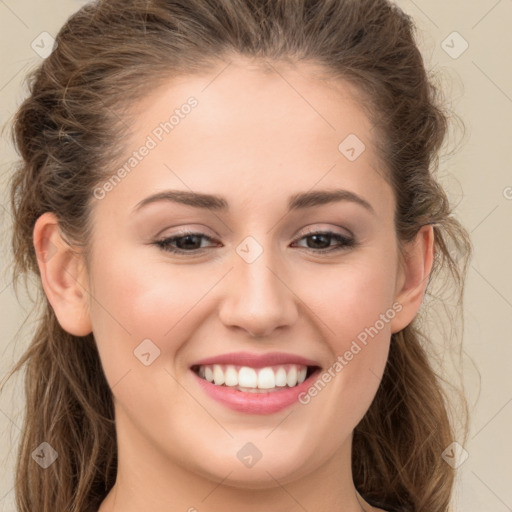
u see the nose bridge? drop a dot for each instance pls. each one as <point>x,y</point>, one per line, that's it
<point>257,298</point>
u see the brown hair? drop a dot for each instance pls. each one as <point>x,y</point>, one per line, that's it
<point>69,131</point>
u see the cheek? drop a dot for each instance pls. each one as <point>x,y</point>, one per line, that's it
<point>145,302</point>
<point>356,308</point>
<point>136,311</point>
<point>354,297</point>
<point>131,302</point>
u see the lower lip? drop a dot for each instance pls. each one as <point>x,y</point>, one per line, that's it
<point>255,403</point>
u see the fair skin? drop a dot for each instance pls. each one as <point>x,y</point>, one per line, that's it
<point>255,141</point>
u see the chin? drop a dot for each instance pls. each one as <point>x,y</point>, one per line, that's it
<point>262,474</point>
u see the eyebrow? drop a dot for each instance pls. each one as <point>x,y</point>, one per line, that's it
<point>218,203</point>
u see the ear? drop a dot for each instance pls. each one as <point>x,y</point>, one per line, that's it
<point>63,276</point>
<point>413,276</point>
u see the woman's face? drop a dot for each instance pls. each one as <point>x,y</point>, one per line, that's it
<point>252,278</point>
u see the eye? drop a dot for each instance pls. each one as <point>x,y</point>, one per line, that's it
<point>186,242</point>
<point>190,242</point>
<point>324,238</point>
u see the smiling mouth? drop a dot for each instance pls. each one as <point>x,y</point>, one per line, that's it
<point>255,380</point>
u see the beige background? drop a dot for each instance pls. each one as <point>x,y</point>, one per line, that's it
<point>478,178</point>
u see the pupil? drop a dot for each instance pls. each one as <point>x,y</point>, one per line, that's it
<point>315,237</point>
<point>187,237</point>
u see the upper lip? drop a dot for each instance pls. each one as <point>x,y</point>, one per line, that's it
<point>255,360</point>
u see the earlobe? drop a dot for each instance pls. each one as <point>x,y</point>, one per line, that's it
<point>63,276</point>
<point>413,277</point>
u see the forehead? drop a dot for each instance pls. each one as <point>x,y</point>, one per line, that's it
<point>251,129</point>
<point>261,98</point>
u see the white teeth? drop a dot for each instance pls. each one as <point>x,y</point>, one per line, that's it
<point>291,378</point>
<point>252,379</point>
<point>266,378</point>
<point>218,375</point>
<point>231,376</point>
<point>247,377</point>
<point>281,377</point>
<point>208,374</point>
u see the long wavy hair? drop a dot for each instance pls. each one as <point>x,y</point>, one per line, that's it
<point>70,131</point>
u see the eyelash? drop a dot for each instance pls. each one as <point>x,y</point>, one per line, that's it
<point>345,242</point>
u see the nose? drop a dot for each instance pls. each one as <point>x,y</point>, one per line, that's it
<point>258,299</point>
